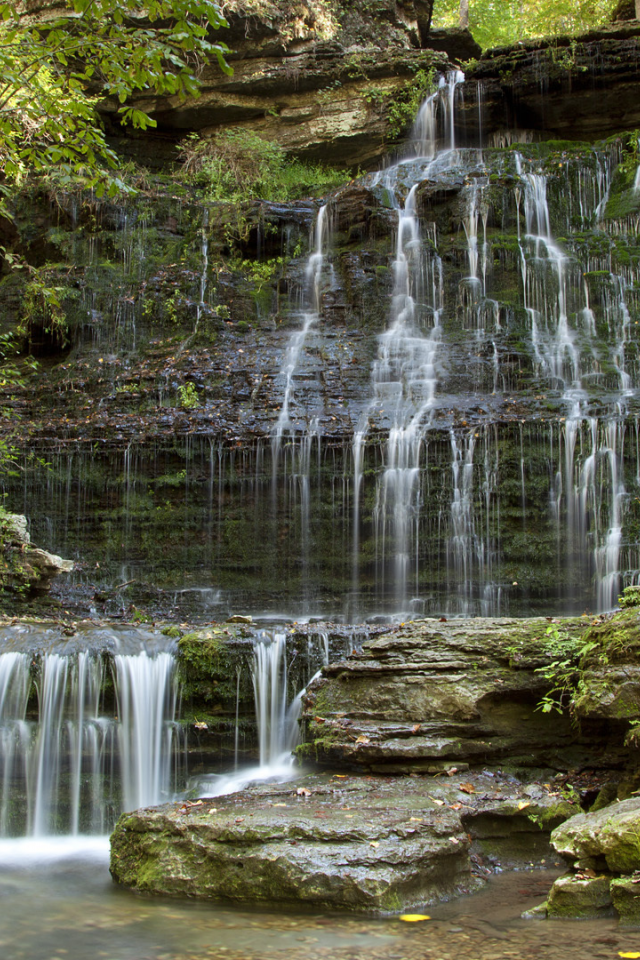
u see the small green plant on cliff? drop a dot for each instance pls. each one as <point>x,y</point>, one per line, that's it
<point>43,306</point>
<point>188,396</point>
<point>562,672</point>
<point>401,107</point>
<point>239,165</point>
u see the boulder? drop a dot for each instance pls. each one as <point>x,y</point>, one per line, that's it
<point>26,569</point>
<point>610,835</point>
<point>625,896</point>
<point>578,899</point>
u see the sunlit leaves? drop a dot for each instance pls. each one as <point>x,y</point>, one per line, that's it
<point>54,71</point>
<point>495,22</point>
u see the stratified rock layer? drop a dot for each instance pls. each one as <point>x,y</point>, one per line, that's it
<point>429,691</point>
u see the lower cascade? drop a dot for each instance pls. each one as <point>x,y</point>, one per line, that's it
<point>84,736</point>
<point>78,746</point>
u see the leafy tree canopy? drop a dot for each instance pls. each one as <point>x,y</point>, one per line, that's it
<point>56,63</point>
<point>496,22</point>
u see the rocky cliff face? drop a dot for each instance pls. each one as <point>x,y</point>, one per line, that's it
<point>330,86</point>
<point>186,326</point>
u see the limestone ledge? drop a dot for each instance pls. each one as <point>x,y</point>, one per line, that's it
<point>365,844</point>
<point>471,690</point>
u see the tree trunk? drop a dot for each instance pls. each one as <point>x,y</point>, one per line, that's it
<point>464,13</point>
<point>424,14</point>
<point>637,9</point>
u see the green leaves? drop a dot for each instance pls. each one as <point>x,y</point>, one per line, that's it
<point>496,22</point>
<point>53,73</point>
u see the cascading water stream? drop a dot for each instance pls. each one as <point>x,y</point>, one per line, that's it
<point>404,375</point>
<point>291,449</point>
<point>72,769</point>
<point>551,282</point>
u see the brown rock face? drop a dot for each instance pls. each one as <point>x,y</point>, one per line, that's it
<point>428,695</point>
<point>578,89</point>
<point>319,86</point>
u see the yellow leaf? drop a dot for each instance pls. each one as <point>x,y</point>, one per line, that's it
<point>525,803</point>
<point>374,843</point>
<point>629,954</point>
<point>413,917</point>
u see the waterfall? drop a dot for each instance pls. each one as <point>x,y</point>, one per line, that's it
<point>404,375</point>
<point>592,511</point>
<point>67,765</point>
<point>291,449</point>
<point>314,277</point>
<point>277,723</point>
<point>277,707</point>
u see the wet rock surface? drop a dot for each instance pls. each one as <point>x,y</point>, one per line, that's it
<point>376,845</point>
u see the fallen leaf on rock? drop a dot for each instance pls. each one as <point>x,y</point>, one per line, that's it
<point>319,720</point>
<point>279,804</point>
<point>362,739</point>
<point>523,804</point>
<point>628,954</point>
<point>418,819</point>
<point>413,917</point>
<point>374,843</point>
<point>239,820</point>
<point>454,840</point>
<point>434,800</point>
<point>415,727</point>
<point>450,772</point>
<point>303,792</point>
<point>340,776</point>
<point>467,788</point>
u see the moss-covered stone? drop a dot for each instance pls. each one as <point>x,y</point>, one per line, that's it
<point>625,896</point>
<point>576,899</point>
<point>611,834</point>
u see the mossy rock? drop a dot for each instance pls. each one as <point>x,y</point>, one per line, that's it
<point>612,833</point>
<point>625,896</point>
<point>571,898</point>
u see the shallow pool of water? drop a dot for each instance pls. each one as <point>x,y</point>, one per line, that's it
<point>57,902</point>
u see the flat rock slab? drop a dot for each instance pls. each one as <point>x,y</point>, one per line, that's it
<point>365,844</point>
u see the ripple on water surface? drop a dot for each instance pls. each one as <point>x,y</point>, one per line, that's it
<point>64,907</point>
